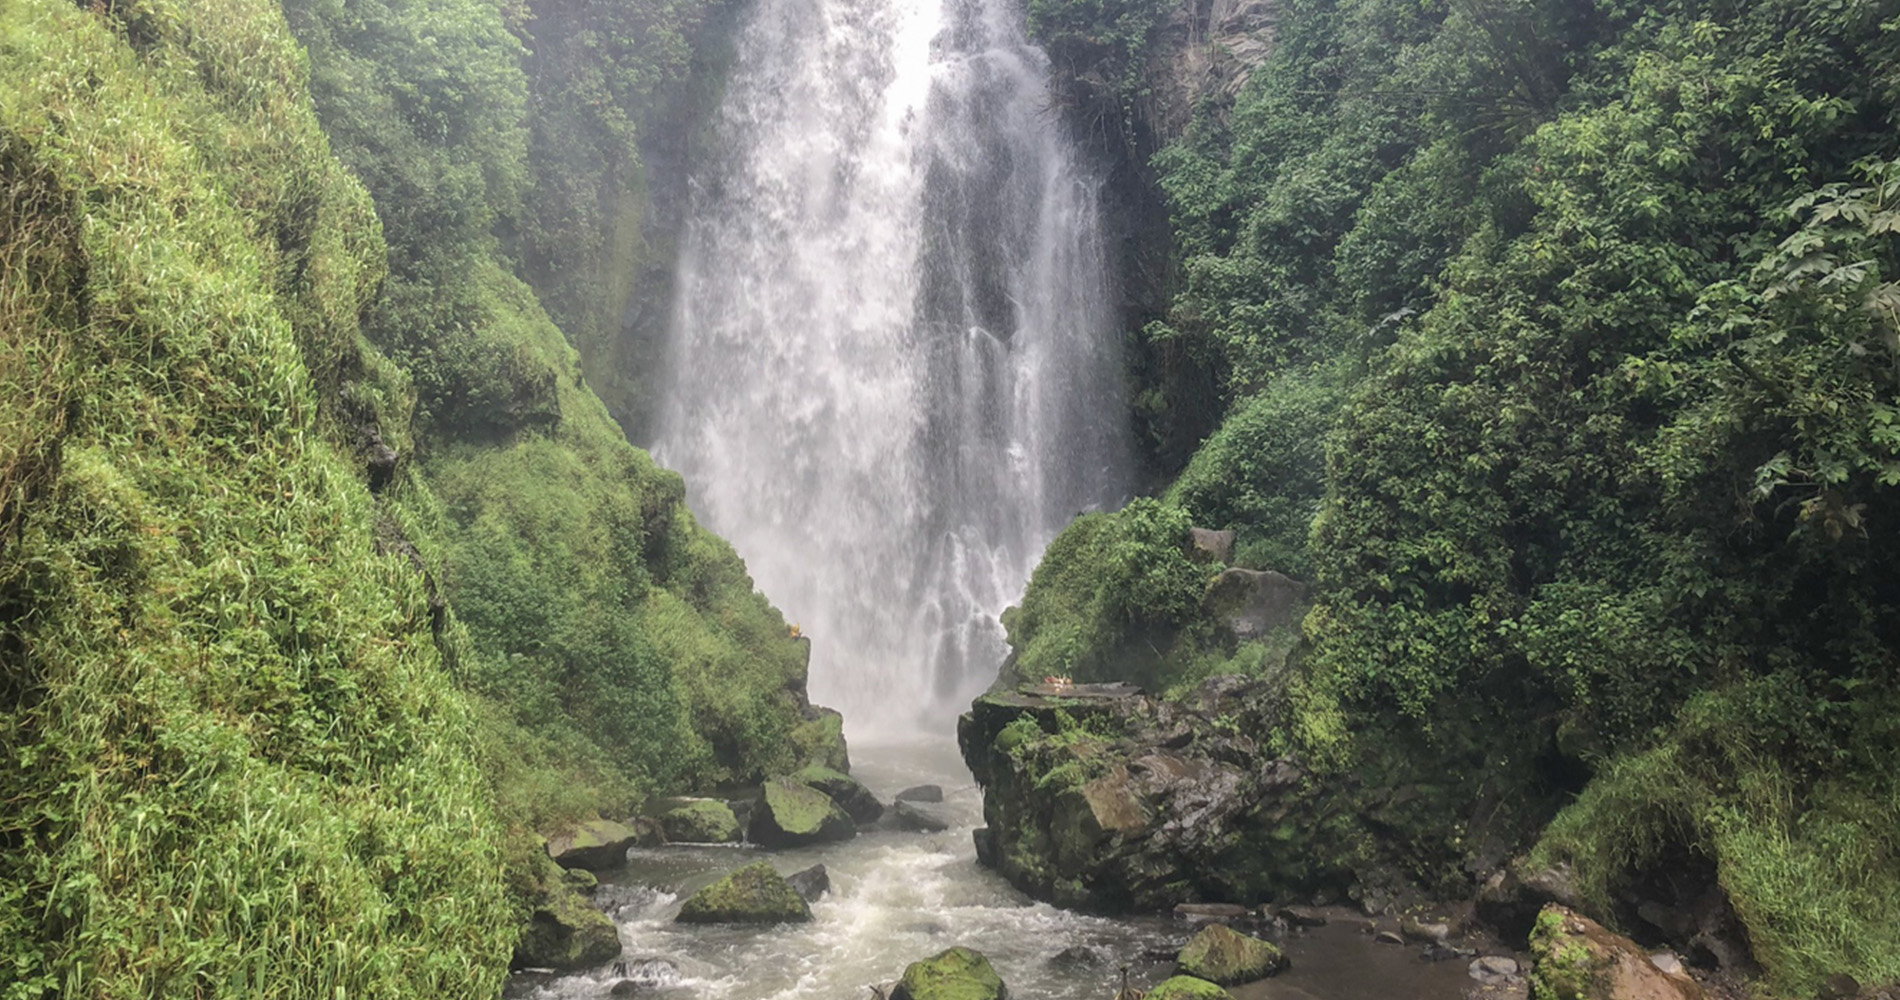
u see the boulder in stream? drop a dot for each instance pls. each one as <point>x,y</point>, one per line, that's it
<point>811,883</point>
<point>699,821</point>
<point>1576,958</point>
<point>1187,988</point>
<point>793,815</point>
<point>1221,955</point>
<point>565,932</point>
<point>754,894</point>
<point>594,844</point>
<point>848,792</point>
<point>918,819</point>
<point>955,974</point>
<point>921,793</point>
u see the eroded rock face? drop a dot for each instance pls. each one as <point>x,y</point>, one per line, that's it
<point>1112,800</point>
<point>955,974</point>
<point>754,894</point>
<point>793,815</point>
<point>1576,958</point>
<point>1250,603</point>
<point>1204,53</point>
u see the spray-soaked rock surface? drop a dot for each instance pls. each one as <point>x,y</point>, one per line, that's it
<point>896,897</point>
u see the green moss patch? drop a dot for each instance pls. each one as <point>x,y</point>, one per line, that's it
<point>755,894</point>
<point>1222,955</point>
<point>955,974</point>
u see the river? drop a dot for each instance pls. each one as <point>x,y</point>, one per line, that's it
<point>897,897</point>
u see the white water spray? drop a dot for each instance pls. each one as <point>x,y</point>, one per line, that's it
<point>893,375</point>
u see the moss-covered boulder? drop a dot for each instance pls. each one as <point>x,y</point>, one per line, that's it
<point>565,932</point>
<point>848,792</point>
<point>1576,958</point>
<point>1187,988</point>
<point>594,844</point>
<point>956,974</point>
<point>793,815</point>
<point>1222,955</point>
<point>699,821</point>
<point>820,740</point>
<point>755,894</point>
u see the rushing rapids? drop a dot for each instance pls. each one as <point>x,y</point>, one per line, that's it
<point>893,372</point>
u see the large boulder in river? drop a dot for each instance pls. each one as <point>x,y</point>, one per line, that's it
<point>820,738</point>
<point>594,844</point>
<point>755,894</point>
<point>921,793</point>
<point>793,815</point>
<point>565,932</point>
<point>956,974</point>
<point>811,884</point>
<point>1187,988</point>
<point>918,819</point>
<point>1576,958</point>
<point>699,821</point>
<point>848,792</point>
<point>1222,955</point>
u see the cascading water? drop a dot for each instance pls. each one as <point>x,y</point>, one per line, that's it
<point>892,375</point>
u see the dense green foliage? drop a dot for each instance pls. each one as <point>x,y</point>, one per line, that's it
<point>1591,310</point>
<point>610,637</point>
<point>231,758</point>
<point>324,578</point>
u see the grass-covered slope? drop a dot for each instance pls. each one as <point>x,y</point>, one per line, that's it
<point>1557,342</point>
<point>617,648</point>
<point>231,760</point>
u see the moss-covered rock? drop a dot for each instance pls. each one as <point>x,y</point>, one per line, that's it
<point>699,821</point>
<point>1222,955</point>
<point>848,792</point>
<point>1575,958</point>
<point>792,815</point>
<point>755,894</point>
<point>565,932</point>
<point>820,739</point>
<point>593,844</point>
<point>956,974</point>
<point>1187,988</point>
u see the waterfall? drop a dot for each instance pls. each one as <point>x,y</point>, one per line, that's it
<point>892,372</point>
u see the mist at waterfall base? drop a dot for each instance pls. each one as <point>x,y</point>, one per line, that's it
<point>893,373</point>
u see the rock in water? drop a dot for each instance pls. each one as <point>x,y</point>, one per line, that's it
<point>793,815</point>
<point>595,845</point>
<point>921,793</point>
<point>755,894</point>
<point>1222,955</point>
<point>956,974</point>
<point>1575,958</point>
<point>700,821</point>
<point>811,883</point>
<point>564,931</point>
<point>1187,988</point>
<point>850,794</point>
<point>917,819</point>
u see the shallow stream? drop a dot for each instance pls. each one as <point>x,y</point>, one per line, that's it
<point>897,897</point>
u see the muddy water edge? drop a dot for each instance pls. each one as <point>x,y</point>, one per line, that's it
<point>898,896</point>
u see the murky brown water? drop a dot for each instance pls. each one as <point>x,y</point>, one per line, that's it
<point>897,897</point>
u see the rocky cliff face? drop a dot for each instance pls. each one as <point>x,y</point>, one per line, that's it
<point>1201,55</point>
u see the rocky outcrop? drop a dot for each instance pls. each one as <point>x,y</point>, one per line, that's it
<point>848,792</point>
<point>1112,800</point>
<point>820,738</point>
<point>755,894</point>
<point>594,844</point>
<point>1203,54</point>
<point>1211,546</point>
<point>956,974</point>
<point>1221,955</point>
<point>698,821</point>
<point>1250,603</point>
<point>1575,958</point>
<point>565,932</point>
<point>789,814</point>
